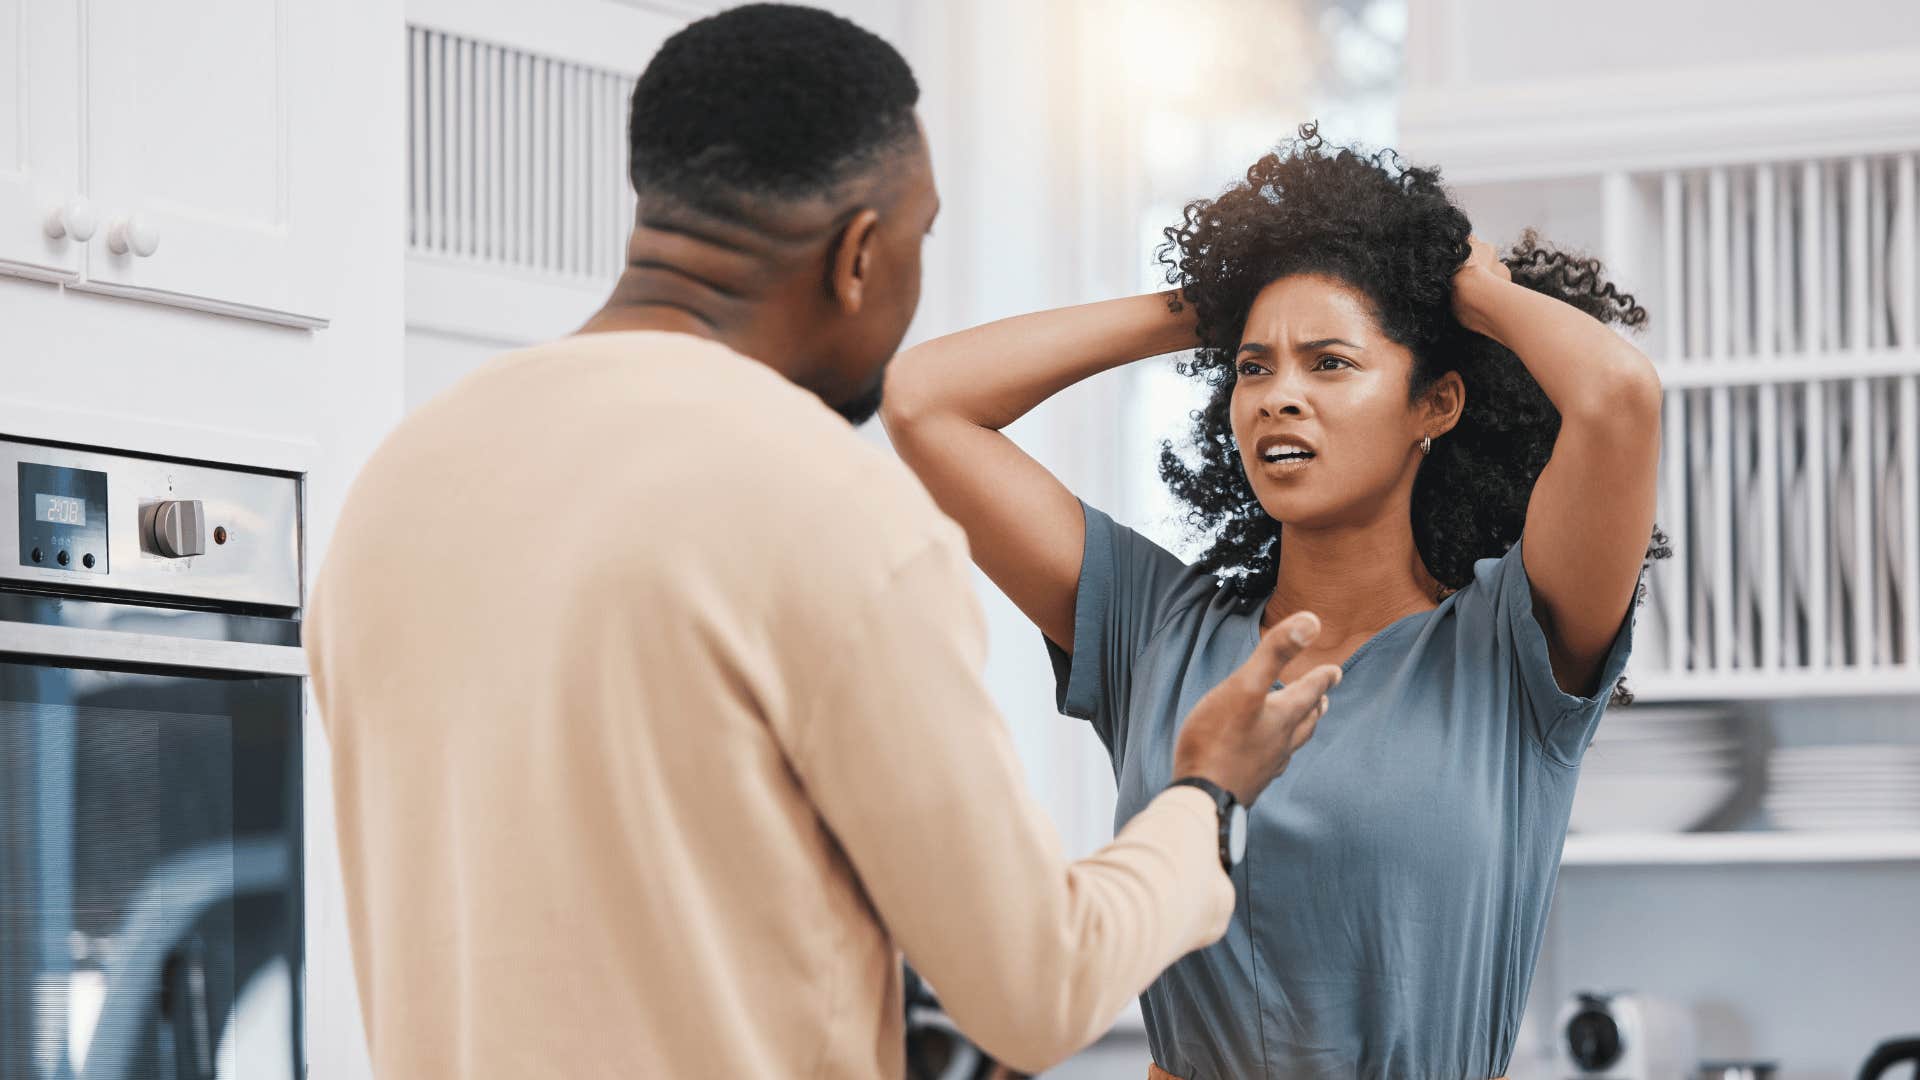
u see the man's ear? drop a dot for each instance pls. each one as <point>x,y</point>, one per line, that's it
<point>853,261</point>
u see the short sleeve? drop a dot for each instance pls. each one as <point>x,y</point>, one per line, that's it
<point>1562,723</point>
<point>1128,587</point>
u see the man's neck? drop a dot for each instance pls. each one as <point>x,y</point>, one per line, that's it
<point>665,318</point>
<point>691,272</point>
<point>739,325</point>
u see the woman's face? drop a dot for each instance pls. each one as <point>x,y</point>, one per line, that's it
<point>1320,410</point>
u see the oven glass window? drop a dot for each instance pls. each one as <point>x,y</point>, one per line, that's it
<point>150,876</point>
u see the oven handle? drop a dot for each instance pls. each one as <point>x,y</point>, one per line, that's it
<point>156,650</point>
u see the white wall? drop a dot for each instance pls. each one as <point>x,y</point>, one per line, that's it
<point>1026,124</point>
<point>1518,41</point>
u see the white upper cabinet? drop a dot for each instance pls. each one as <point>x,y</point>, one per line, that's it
<point>187,156</point>
<point>44,219</point>
<point>169,127</point>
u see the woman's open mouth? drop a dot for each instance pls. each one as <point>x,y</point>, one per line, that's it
<point>1283,454</point>
<point>1286,466</point>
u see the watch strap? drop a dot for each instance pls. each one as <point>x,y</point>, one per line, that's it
<point>1222,798</point>
<point>1223,804</point>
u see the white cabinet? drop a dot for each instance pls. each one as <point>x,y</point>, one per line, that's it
<point>39,119</point>
<point>187,151</point>
<point>176,124</point>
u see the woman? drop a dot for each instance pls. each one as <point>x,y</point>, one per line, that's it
<point>1393,411</point>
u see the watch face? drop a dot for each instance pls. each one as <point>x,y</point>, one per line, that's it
<point>1237,833</point>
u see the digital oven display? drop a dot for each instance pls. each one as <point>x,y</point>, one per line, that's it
<point>60,510</point>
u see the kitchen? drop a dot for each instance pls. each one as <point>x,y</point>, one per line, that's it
<point>219,252</point>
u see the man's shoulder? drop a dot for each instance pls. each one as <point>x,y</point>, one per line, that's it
<point>838,492</point>
<point>734,443</point>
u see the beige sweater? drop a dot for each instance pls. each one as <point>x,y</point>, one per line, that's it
<point>658,731</point>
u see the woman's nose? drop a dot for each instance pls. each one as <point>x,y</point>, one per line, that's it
<point>1282,398</point>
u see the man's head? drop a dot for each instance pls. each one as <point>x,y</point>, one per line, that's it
<point>784,191</point>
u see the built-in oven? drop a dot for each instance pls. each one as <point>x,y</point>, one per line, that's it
<point>151,715</point>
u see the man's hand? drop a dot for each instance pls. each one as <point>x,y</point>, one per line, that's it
<point>1243,733</point>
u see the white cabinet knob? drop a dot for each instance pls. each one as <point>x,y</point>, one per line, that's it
<point>133,233</point>
<point>75,219</point>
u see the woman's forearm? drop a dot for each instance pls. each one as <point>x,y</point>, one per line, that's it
<point>992,375</point>
<point>1585,369</point>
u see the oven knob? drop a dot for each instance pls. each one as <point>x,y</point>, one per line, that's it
<point>179,529</point>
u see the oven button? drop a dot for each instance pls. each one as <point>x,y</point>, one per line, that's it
<point>63,558</point>
<point>87,560</point>
<point>179,529</point>
<point>39,556</point>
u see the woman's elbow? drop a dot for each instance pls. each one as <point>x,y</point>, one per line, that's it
<point>1627,400</point>
<point>905,398</point>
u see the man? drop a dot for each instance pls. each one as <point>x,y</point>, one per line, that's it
<point>654,691</point>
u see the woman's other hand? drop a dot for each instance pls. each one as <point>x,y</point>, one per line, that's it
<point>1482,268</point>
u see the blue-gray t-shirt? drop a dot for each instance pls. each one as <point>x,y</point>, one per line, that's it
<point>1398,875</point>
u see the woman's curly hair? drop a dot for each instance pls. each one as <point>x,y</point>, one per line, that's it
<point>1389,230</point>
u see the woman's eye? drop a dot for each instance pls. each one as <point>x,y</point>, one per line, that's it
<point>1248,367</point>
<point>1331,363</point>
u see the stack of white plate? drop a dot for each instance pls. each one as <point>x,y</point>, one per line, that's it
<point>1657,770</point>
<point>1845,787</point>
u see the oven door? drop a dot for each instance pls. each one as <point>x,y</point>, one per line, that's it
<point>150,856</point>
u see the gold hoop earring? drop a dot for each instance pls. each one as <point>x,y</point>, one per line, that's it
<point>1426,445</point>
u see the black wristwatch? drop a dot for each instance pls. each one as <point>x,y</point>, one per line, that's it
<point>1233,819</point>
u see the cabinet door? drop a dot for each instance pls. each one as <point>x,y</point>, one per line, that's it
<point>40,139</point>
<point>190,117</point>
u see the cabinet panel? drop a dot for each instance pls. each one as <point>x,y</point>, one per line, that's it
<point>39,132</point>
<point>190,115</point>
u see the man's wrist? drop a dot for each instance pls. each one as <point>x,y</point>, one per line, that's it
<point>1230,819</point>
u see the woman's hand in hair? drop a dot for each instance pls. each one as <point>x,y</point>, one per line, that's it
<point>1590,514</point>
<point>1483,268</point>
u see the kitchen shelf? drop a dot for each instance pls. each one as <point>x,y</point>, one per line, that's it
<point>1657,687</point>
<point>1740,848</point>
<point>1877,363</point>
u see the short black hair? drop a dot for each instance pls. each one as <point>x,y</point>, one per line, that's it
<point>766,100</point>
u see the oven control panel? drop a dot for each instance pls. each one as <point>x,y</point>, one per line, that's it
<point>63,518</point>
<point>103,519</point>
